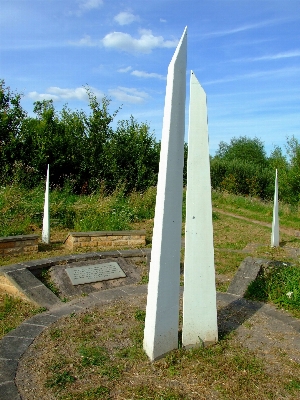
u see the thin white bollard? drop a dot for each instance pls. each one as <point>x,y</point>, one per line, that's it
<point>162,312</point>
<point>199,299</point>
<point>275,222</point>
<point>46,217</point>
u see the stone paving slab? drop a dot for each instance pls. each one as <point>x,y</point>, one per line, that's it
<point>9,391</point>
<point>8,370</point>
<point>42,296</point>
<point>12,347</point>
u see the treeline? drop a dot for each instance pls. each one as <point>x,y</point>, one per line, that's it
<point>243,167</point>
<point>83,150</point>
<point>86,153</point>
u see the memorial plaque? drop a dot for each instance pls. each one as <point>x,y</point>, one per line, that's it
<point>95,273</point>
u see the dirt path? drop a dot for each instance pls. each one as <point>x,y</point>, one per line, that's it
<point>288,231</point>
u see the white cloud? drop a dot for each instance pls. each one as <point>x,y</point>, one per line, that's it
<point>144,44</point>
<point>245,27</point>
<point>126,18</point>
<point>162,20</point>
<point>273,74</point>
<point>142,74</point>
<point>86,41</point>
<point>57,94</point>
<point>269,57</point>
<point>85,6</point>
<point>128,95</point>
<point>42,96</point>
<point>123,70</point>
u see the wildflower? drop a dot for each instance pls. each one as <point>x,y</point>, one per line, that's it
<point>289,294</point>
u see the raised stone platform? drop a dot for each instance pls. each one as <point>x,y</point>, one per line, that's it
<point>106,239</point>
<point>20,244</point>
<point>22,279</point>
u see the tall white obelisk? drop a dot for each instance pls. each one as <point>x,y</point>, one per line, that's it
<point>46,218</point>
<point>162,312</point>
<point>199,298</point>
<point>275,222</point>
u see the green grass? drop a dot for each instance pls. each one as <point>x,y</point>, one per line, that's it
<point>255,208</point>
<point>279,284</point>
<point>22,210</point>
<point>13,311</point>
<point>97,358</point>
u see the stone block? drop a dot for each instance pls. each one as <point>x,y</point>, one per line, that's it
<point>7,245</point>
<point>97,238</point>
<point>13,250</point>
<point>113,238</point>
<point>136,243</point>
<point>29,243</point>
<point>31,249</point>
<point>13,347</point>
<point>107,243</point>
<point>84,244</point>
<point>83,239</point>
<point>120,242</point>
<point>137,237</point>
<point>102,238</point>
<point>9,391</point>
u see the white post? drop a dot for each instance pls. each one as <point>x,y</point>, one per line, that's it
<point>275,222</point>
<point>46,218</point>
<point>162,312</point>
<point>199,299</point>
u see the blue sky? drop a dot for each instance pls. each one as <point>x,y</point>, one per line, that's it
<point>245,54</point>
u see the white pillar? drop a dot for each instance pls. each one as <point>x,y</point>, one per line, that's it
<point>275,222</point>
<point>162,312</point>
<point>46,218</point>
<point>199,299</point>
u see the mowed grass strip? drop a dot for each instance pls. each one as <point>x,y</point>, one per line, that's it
<point>98,355</point>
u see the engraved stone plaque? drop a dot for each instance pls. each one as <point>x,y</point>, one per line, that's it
<point>95,273</point>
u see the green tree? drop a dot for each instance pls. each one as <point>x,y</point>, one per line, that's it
<point>243,148</point>
<point>11,118</point>
<point>293,151</point>
<point>95,164</point>
<point>133,155</point>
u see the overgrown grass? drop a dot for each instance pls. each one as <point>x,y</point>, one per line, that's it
<point>13,311</point>
<point>279,284</point>
<point>22,210</point>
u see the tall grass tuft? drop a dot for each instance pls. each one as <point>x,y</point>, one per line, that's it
<point>279,284</point>
<point>21,210</point>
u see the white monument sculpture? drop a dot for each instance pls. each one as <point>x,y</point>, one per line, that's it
<point>162,312</point>
<point>275,222</point>
<point>199,299</point>
<point>46,218</point>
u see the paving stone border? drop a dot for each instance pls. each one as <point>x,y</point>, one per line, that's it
<point>21,275</point>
